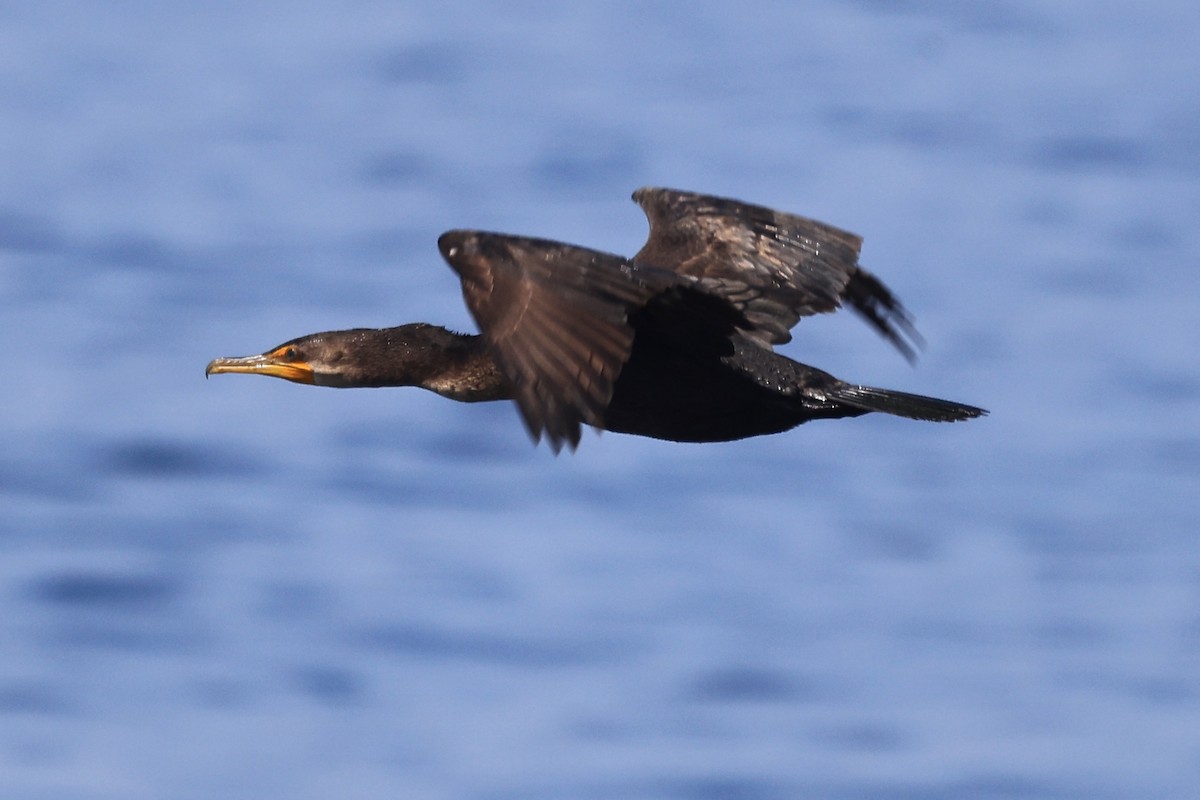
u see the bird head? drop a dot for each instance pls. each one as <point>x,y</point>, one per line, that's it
<point>359,357</point>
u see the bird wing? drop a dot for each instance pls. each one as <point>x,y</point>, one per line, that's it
<point>555,317</point>
<point>774,267</point>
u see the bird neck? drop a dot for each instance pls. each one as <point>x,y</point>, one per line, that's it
<point>454,365</point>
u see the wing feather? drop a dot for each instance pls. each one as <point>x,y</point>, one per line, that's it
<point>775,267</point>
<point>556,320</point>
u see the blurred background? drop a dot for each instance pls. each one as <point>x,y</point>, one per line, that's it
<point>243,588</point>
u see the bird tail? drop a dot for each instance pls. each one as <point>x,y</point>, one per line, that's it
<point>903,404</point>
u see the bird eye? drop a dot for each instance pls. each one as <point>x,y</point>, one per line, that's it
<point>290,354</point>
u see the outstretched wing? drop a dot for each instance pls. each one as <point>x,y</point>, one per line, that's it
<point>556,320</point>
<point>774,267</point>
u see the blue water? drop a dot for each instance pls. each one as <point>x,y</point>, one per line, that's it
<point>244,588</point>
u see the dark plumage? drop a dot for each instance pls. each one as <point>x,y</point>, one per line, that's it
<point>675,344</point>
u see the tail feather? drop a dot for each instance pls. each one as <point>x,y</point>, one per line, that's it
<point>903,404</point>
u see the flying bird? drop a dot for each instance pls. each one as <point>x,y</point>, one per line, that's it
<point>676,343</point>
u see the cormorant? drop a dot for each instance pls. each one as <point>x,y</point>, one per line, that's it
<point>675,343</point>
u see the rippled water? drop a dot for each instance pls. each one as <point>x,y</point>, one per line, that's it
<point>245,588</point>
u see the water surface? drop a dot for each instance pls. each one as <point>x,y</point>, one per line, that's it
<point>246,589</point>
